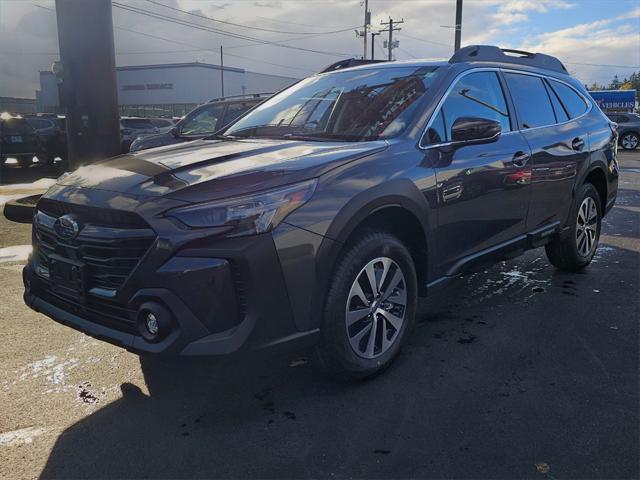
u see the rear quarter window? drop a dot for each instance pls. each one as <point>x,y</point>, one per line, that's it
<point>573,103</point>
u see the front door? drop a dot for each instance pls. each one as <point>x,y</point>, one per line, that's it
<point>483,189</point>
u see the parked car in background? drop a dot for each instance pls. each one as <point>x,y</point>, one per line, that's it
<point>201,122</point>
<point>19,141</point>
<point>53,135</point>
<point>132,128</point>
<point>628,128</point>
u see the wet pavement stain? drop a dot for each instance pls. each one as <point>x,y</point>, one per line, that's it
<point>85,395</point>
<point>468,338</point>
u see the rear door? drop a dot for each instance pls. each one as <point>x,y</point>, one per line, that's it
<point>483,189</point>
<point>558,140</point>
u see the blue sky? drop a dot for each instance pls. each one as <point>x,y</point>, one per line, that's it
<point>601,32</point>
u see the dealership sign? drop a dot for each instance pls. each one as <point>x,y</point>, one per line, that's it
<point>149,86</point>
<point>614,99</point>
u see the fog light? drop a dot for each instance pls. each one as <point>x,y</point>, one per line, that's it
<point>154,322</point>
<point>151,322</point>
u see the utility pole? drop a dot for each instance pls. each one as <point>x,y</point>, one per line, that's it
<point>373,44</point>
<point>390,28</point>
<point>367,21</point>
<point>86,76</point>
<point>458,25</point>
<point>221,71</point>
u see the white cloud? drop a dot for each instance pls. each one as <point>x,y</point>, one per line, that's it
<point>515,11</point>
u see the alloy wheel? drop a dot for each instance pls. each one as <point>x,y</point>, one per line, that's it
<point>376,307</point>
<point>587,227</point>
<point>630,141</point>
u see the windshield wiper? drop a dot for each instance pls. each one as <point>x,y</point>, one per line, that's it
<point>305,137</point>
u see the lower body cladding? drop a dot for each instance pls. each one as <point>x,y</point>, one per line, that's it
<point>212,299</point>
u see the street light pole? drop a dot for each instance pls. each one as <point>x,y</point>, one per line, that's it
<point>221,72</point>
<point>373,44</point>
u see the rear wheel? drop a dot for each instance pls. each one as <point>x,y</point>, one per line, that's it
<point>370,307</point>
<point>576,249</point>
<point>630,141</point>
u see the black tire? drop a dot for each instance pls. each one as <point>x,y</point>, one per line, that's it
<point>335,353</point>
<point>564,252</point>
<point>630,140</point>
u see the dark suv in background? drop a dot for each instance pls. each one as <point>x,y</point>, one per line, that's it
<point>321,216</point>
<point>628,129</point>
<point>201,122</point>
<point>19,141</point>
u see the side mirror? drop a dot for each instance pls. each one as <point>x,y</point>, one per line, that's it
<point>175,131</point>
<point>474,129</point>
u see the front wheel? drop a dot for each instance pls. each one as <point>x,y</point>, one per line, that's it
<point>630,141</point>
<point>576,249</point>
<point>370,307</point>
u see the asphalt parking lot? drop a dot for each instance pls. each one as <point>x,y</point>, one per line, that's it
<point>519,371</point>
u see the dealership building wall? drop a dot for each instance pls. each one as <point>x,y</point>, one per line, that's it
<point>170,89</point>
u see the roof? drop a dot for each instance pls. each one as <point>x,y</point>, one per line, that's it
<point>181,65</point>
<point>185,65</point>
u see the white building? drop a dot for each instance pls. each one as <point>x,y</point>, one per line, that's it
<point>171,89</point>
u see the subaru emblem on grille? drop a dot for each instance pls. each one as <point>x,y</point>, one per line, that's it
<point>67,227</point>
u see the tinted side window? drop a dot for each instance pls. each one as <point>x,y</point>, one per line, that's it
<point>203,121</point>
<point>558,108</point>
<point>475,95</point>
<point>531,100</point>
<point>573,102</point>
<point>136,123</point>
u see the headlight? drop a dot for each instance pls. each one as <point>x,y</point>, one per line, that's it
<point>247,215</point>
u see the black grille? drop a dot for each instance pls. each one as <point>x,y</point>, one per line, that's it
<point>92,215</point>
<point>110,243</point>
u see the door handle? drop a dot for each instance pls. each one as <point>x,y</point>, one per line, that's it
<point>452,192</point>
<point>520,158</point>
<point>577,144</point>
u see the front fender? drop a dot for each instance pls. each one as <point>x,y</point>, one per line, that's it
<point>401,193</point>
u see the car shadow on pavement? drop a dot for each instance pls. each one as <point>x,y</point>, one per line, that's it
<point>515,367</point>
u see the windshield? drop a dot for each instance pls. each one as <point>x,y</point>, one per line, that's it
<point>357,105</point>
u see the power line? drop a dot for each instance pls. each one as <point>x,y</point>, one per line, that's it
<point>177,42</point>
<point>289,22</point>
<point>247,26</point>
<point>205,28</point>
<point>425,41</point>
<point>603,65</point>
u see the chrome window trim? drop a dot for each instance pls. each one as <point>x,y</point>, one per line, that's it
<point>517,129</point>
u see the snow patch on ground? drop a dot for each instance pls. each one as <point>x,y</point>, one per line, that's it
<point>17,253</point>
<point>21,436</point>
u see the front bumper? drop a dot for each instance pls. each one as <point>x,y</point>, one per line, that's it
<point>222,296</point>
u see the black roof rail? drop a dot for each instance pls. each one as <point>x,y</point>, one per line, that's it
<point>246,96</point>
<point>490,53</point>
<point>349,62</point>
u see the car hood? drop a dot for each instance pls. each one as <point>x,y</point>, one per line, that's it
<point>211,169</point>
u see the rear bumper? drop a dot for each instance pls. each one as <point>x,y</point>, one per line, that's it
<point>219,300</point>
